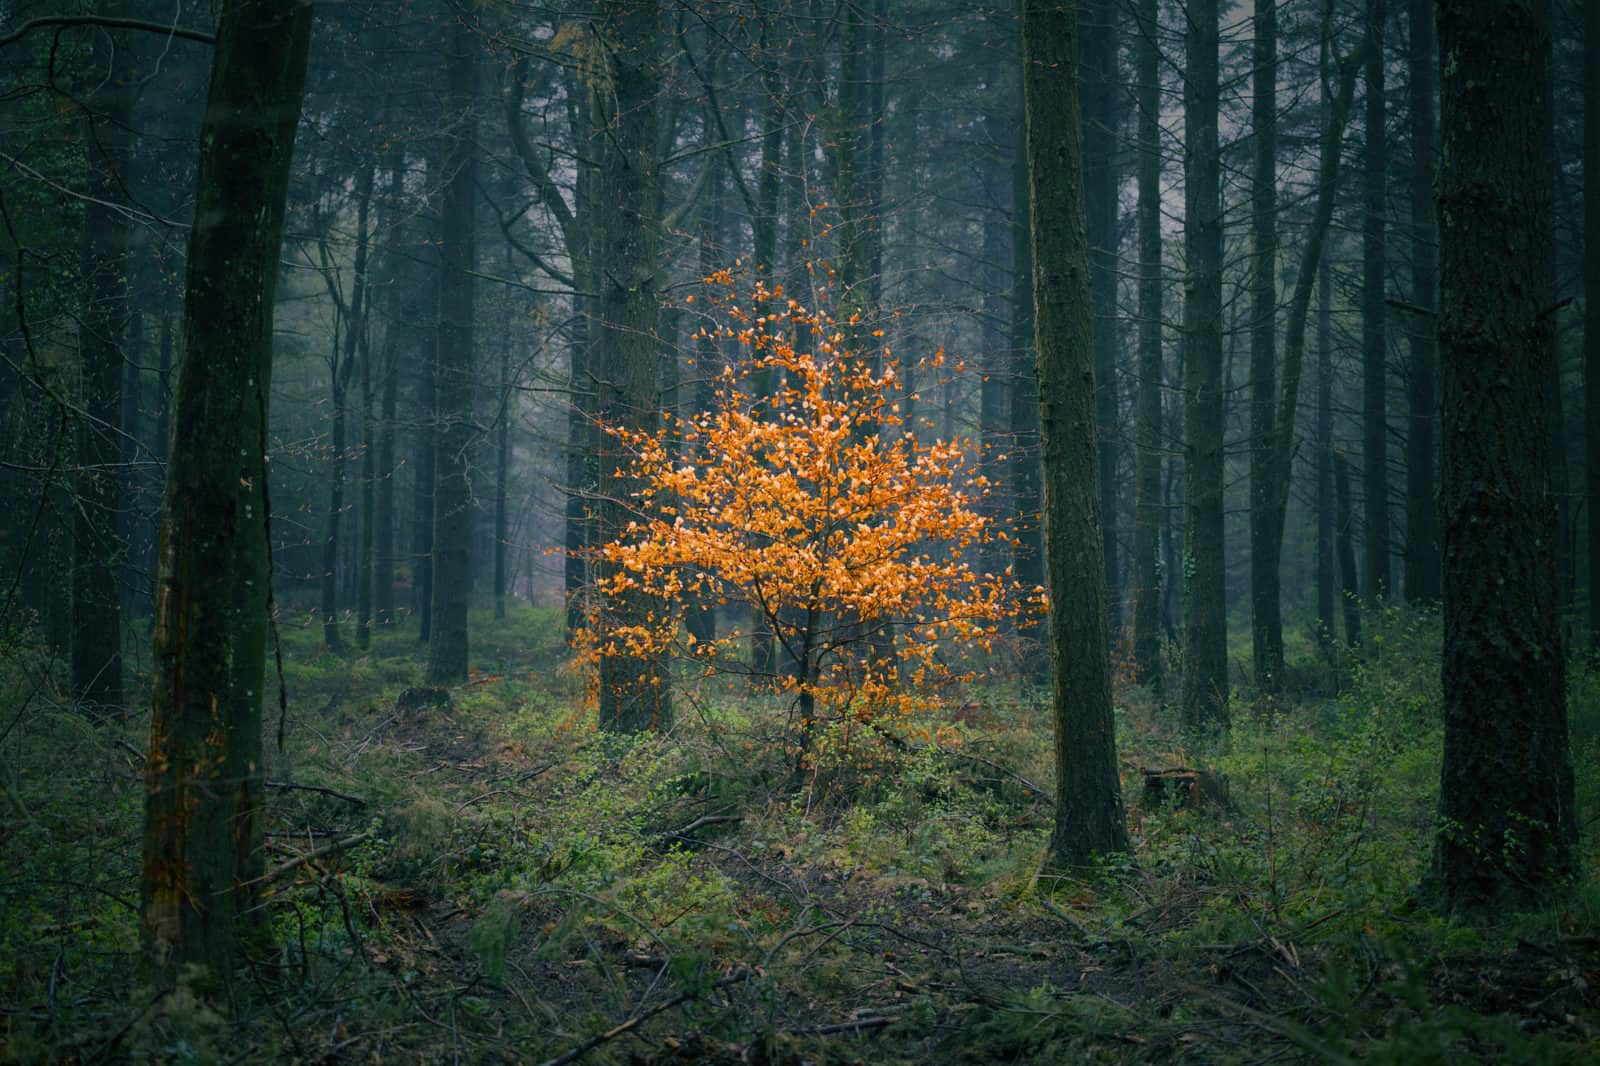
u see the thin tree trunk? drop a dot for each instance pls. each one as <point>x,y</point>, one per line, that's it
<point>344,365</point>
<point>400,324</point>
<point>204,774</point>
<point>1266,549</point>
<point>99,550</point>
<point>1089,816</point>
<point>1205,629</point>
<point>1507,827</point>
<point>1149,514</point>
<point>453,369</point>
<point>1025,473</point>
<point>1102,93</point>
<point>1422,513</point>
<point>1349,580</point>
<point>1324,453</point>
<point>1374,316</point>
<point>1591,299</point>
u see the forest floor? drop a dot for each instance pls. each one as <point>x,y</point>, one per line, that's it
<point>478,876</point>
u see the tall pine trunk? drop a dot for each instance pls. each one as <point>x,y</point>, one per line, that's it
<point>1422,398</point>
<point>1089,815</point>
<point>453,368</point>
<point>1266,548</point>
<point>1205,626</point>
<point>1374,316</point>
<point>1149,513</point>
<point>1506,820</point>
<point>1102,95</point>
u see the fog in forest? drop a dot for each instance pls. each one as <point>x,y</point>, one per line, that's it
<point>799,531</point>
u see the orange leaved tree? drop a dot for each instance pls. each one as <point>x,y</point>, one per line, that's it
<point>816,506</point>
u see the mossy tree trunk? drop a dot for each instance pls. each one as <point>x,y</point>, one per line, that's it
<point>1089,815</point>
<point>1025,476</point>
<point>1506,821</point>
<point>634,695</point>
<point>204,773</point>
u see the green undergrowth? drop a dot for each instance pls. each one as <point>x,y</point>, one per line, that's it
<point>493,881</point>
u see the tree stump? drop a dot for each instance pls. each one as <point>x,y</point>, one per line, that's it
<point>1186,789</point>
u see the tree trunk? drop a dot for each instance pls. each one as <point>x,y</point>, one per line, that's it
<point>1506,821</point>
<point>344,365</point>
<point>1422,399</point>
<point>400,321</point>
<point>1025,474</point>
<point>204,774</point>
<point>1349,580</point>
<point>1089,815</point>
<point>1591,298</point>
<point>453,368</point>
<point>1324,453</point>
<point>99,550</point>
<point>1266,610</point>
<point>1149,513</point>
<point>634,695</point>
<point>1102,94</point>
<point>1205,628</point>
<point>1374,316</point>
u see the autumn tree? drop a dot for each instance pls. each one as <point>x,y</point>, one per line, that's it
<point>815,506</point>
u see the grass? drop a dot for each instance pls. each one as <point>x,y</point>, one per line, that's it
<point>526,885</point>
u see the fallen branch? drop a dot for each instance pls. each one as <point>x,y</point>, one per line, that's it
<point>296,787</point>
<point>639,1019</point>
<point>298,861</point>
<point>704,820</point>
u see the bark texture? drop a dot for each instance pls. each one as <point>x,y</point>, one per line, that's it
<point>1148,510</point>
<point>1089,814</point>
<point>1506,822</point>
<point>634,696</point>
<point>204,774</point>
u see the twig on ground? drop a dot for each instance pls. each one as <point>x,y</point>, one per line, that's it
<point>297,787</point>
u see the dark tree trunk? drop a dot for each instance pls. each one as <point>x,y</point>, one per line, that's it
<point>1205,628</point>
<point>1089,816</point>
<point>634,696</point>
<point>1374,316</point>
<point>204,774</point>
<point>1324,452</point>
<point>1025,474</point>
<point>1506,821</point>
<point>99,550</point>
<point>401,318</point>
<point>453,368</point>
<point>344,366</point>
<point>1349,579</point>
<point>1422,398</point>
<point>1591,298</point>
<point>1102,95</point>
<point>1149,513</point>
<point>1266,547</point>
